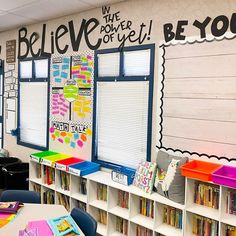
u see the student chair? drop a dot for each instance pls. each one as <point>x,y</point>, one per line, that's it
<point>85,221</point>
<point>23,196</point>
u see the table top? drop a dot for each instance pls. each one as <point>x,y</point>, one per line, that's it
<point>31,212</point>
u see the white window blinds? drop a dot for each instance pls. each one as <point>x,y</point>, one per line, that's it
<point>122,113</point>
<point>41,68</point>
<point>26,69</point>
<point>137,63</point>
<point>33,113</point>
<point>109,64</point>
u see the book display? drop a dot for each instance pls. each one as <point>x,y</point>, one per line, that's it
<point>112,204</point>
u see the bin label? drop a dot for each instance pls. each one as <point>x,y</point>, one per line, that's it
<point>74,171</point>
<point>60,167</point>
<point>36,159</point>
<point>46,162</point>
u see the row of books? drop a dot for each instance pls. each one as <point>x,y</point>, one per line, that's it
<point>121,226</point>
<point>204,226</point>
<point>82,186</point>
<point>123,199</point>
<point>231,202</point>
<point>38,171</point>
<point>206,194</point>
<point>48,197</point>
<point>101,192</point>
<point>49,175</point>
<point>146,207</point>
<point>81,205</point>
<point>230,230</point>
<point>37,188</point>
<point>65,181</point>
<point>141,231</point>
<point>172,216</point>
<point>102,217</point>
<point>64,200</point>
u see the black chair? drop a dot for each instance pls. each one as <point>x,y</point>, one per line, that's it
<point>85,221</point>
<point>23,196</point>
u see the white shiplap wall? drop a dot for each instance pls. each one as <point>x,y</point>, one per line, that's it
<point>199,98</point>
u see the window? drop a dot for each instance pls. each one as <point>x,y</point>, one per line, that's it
<point>123,106</point>
<point>33,103</point>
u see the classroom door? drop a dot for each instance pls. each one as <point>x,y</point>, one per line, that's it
<point>1,102</point>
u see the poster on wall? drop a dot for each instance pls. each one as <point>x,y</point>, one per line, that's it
<point>10,93</point>
<point>71,99</point>
<point>11,51</point>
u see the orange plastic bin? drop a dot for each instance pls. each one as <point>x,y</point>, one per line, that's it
<point>201,170</point>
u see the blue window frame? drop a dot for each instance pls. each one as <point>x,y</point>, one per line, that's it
<point>33,116</point>
<point>1,101</point>
<point>120,77</point>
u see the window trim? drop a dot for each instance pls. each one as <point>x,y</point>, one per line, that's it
<point>33,80</point>
<point>122,77</point>
<point>2,71</point>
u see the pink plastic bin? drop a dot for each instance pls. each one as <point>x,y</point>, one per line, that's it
<point>226,175</point>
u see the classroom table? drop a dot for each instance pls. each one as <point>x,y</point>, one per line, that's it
<point>32,212</point>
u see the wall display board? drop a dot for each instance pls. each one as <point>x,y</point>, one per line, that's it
<point>71,99</point>
<point>197,114</point>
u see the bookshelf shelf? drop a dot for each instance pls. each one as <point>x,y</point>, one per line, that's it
<point>228,219</point>
<point>119,211</point>
<point>83,192</point>
<point>144,221</point>
<point>99,204</point>
<point>204,211</point>
<point>79,197</point>
<point>168,230</point>
<point>102,229</point>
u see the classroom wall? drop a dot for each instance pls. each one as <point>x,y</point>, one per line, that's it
<point>138,12</point>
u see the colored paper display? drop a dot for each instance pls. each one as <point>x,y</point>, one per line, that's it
<point>82,70</point>
<point>71,99</point>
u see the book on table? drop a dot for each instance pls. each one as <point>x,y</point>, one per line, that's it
<point>9,207</point>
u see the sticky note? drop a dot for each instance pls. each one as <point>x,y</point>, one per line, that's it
<point>64,75</point>
<point>56,73</point>
<point>66,60</point>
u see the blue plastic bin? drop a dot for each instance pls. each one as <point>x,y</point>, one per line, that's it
<point>84,168</point>
<point>123,175</point>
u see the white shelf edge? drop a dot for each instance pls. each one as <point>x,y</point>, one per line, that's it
<point>99,204</point>
<point>168,230</point>
<point>79,197</point>
<point>119,211</point>
<point>144,221</point>
<point>204,211</point>
<point>101,229</point>
<point>65,192</point>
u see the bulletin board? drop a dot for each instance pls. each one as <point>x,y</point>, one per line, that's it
<point>71,102</point>
<point>197,98</point>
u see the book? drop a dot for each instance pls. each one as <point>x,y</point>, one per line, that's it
<point>146,207</point>
<point>101,192</point>
<point>64,225</point>
<point>9,207</point>
<point>172,216</point>
<point>42,227</point>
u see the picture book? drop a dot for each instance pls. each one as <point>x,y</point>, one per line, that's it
<point>64,226</point>
<point>9,207</point>
<point>41,226</point>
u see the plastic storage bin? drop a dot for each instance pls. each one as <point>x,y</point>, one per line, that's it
<point>64,164</point>
<point>17,176</point>
<point>226,175</point>
<point>123,175</point>
<point>37,157</point>
<point>5,161</point>
<point>84,168</point>
<point>201,170</point>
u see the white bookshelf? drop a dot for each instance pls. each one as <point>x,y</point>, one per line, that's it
<point>132,213</point>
